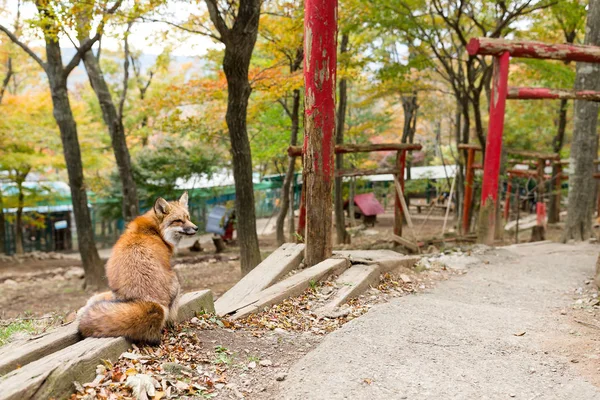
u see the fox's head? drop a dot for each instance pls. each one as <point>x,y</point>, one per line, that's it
<point>174,219</point>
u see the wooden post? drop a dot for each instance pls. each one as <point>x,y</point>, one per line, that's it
<point>466,222</point>
<point>398,214</point>
<point>541,206</point>
<point>507,200</point>
<point>320,62</point>
<point>493,154</point>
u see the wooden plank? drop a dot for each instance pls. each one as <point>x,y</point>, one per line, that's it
<point>292,286</point>
<point>406,243</point>
<point>51,374</point>
<point>361,148</point>
<point>403,203</point>
<point>388,260</point>
<point>366,172</point>
<point>533,154</point>
<point>353,282</point>
<point>22,352</point>
<point>274,267</point>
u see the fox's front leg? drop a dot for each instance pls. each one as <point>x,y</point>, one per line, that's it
<point>174,303</point>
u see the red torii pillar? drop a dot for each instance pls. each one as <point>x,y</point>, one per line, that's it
<point>502,50</point>
<point>320,62</point>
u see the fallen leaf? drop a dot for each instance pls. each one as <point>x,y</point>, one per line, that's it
<point>142,386</point>
<point>519,333</point>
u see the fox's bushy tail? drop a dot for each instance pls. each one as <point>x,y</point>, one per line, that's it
<point>138,321</point>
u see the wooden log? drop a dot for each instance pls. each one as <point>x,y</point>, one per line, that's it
<point>528,93</point>
<point>365,172</point>
<point>532,49</point>
<point>353,282</point>
<point>398,213</point>
<point>388,260</point>
<point>361,148</point>
<point>24,352</point>
<point>469,146</point>
<point>406,243</point>
<point>274,267</point>
<point>533,154</point>
<point>292,286</point>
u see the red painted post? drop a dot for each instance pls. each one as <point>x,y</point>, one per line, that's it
<point>507,200</point>
<point>320,62</point>
<point>493,150</point>
<point>466,222</point>
<point>398,215</point>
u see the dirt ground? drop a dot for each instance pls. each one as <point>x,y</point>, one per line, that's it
<point>34,288</point>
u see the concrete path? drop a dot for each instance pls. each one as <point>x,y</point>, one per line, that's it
<point>461,340</point>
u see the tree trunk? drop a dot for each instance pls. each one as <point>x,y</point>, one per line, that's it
<point>557,144</point>
<point>235,65</point>
<point>2,224</point>
<point>584,148</point>
<point>6,80</point>
<point>340,224</point>
<point>289,175</point>
<point>92,265</point>
<point>292,222</point>
<point>19,221</point>
<point>114,122</point>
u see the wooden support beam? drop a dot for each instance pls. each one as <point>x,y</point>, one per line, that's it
<point>361,148</point>
<point>320,62</point>
<point>532,49</point>
<point>469,146</point>
<point>398,211</point>
<point>52,376</point>
<point>366,172</point>
<point>274,267</point>
<point>533,154</point>
<point>469,181</point>
<point>528,93</point>
<point>292,286</point>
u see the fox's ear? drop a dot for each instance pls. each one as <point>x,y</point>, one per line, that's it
<point>183,200</point>
<point>161,207</point>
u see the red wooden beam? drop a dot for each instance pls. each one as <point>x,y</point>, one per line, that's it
<point>294,151</point>
<point>532,49</point>
<point>527,93</point>
<point>320,62</point>
<point>493,150</point>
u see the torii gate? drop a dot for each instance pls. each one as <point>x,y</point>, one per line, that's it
<point>502,50</point>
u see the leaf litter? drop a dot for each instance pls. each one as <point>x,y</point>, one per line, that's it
<point>213,357</point>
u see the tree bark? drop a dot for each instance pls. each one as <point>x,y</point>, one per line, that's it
<point>410,107</point>
<point>289,175</point>
<point>239,41</point>
<point>6,80</point>
<point>584,147</point>
<point>340,224</point>
<point>116,130</point>
<point>557,144</point>
<point>2,224</point>
<point>92,265</point>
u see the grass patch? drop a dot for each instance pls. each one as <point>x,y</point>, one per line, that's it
<point>7,331</point>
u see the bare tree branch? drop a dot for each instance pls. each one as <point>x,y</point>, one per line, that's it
<point>23,46</point>
<point>125,70</point>
<point>217,18</point>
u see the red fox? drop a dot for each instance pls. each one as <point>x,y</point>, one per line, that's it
<point>144,292</point>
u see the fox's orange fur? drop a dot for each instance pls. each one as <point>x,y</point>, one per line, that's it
<point>144,288</point>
